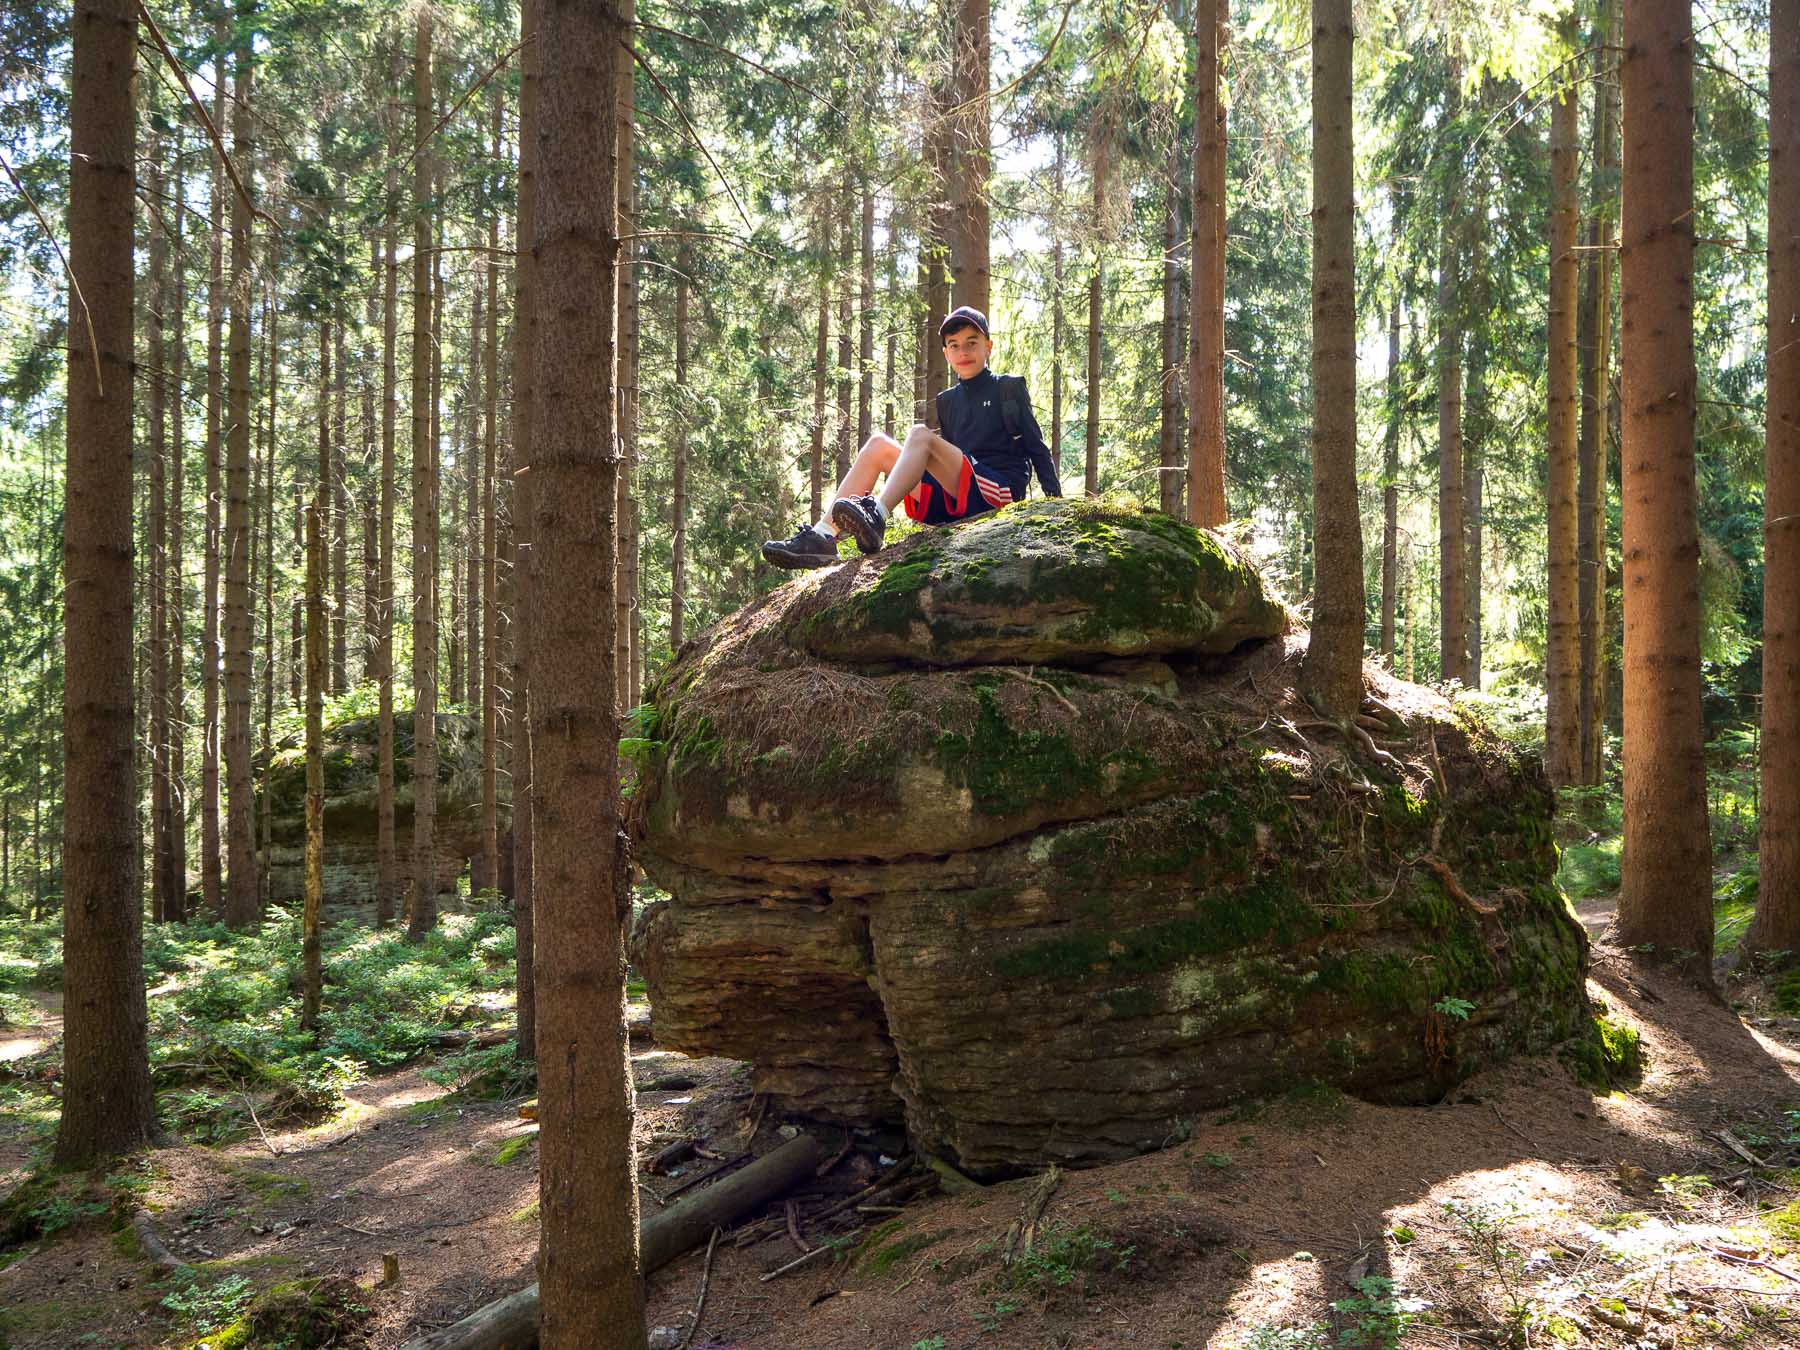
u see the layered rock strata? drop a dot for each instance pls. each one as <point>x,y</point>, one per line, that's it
<point>1017,831</point>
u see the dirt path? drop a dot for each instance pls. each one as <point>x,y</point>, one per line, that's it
<point>1253,1225</point>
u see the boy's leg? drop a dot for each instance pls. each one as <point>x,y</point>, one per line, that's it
<point>924,452</point>
<point>877,457</point>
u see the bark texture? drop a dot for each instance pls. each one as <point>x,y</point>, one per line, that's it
<point>589,1273</point>
<point>1562,648</point>
<point>1665,895</point>
<point>1777,923</point>
<point>1332,672</point>
<point>422,916</point>
<point>108,1105</point>
<point>970,157</point>
<point>1206,361</point>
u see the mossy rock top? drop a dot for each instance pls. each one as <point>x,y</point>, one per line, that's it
<point>1052,582</point>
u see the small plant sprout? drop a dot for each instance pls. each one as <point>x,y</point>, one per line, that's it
<point>1453,1007</point>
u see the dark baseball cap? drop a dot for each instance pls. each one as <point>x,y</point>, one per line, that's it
<point>962,316</point>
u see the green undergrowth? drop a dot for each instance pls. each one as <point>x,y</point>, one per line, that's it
<point>225,1016</point>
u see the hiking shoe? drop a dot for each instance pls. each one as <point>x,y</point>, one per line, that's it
<point>861,519</point>
<point>808,548</point>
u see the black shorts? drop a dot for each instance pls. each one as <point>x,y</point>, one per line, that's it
<point>977,490</point>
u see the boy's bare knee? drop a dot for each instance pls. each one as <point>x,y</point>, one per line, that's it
<point>919,434</point>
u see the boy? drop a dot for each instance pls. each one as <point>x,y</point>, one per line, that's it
<point>980,459</point>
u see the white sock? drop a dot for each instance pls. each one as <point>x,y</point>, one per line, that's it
<point>881,508</point>
<point>826,528</point>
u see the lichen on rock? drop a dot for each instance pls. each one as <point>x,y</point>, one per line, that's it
<point>1014,831</point>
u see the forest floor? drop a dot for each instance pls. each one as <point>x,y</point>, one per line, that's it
<point>1523,1210</point>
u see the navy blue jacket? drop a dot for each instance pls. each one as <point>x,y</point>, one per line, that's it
<point>971,418</point>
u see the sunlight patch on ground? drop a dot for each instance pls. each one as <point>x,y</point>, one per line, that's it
<point>1276,1294</point>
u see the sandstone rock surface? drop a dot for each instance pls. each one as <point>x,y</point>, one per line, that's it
<point>1016,831</point>
<point>350,816</point>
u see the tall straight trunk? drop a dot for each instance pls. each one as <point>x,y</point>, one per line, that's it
<point>273,386</point>
<point>313,899</point>
<point>162,880</point>
<point>1170,470</point>
<point>471,494</point>
<point>589,1272</point>
<point>1452,659</point>
<point>679,452</point>
<point>108,1105</point>
<point>1596,405</point>
<point>1206,361</point>
<point>970,156</point>
<point>890,400</point>
<point>821,367</point>
<point>1562,745</point>
<point>177,551</point>
<point>423,911</point>
<point>387,867</point>
<point>938,140</point>
<point>1390,485</point>
<point>242,907</point>
<point>1474,467</point>
<point>846,353</point>
<point>865,364</point>
<point>489,876</point>
<point>524,423</point>
<point>1098,151</point>
<point>1056,306</point>
<point>211,876</point>
<point>625,385</point>
<point>1777,922</point>
<point>297,606</point>
<point>1665,895</point>
<point>338,520</point>
<point>1331,671</point>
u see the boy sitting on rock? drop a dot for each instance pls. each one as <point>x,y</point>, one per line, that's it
<point>980,458</point>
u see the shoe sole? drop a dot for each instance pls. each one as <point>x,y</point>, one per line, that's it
<point>795,561</point>
<point>851,522</point>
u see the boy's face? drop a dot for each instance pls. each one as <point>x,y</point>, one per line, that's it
<point>967,350</point>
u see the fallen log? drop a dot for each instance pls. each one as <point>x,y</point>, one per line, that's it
<point>511,1323</point>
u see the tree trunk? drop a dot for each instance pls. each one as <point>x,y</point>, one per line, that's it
<point>211,877</point>
<point>846,354</point>
<point>108,1105</point>
<point>821,367</point>
<point>970,156</point>
<point>312,976</point>
<point>1777,923</point>
<point>473,455</point>
<point>1452,659</point>
<point>679,452</point>
<point>338,519</point>
<point>938,153</point>
<point>273,385</point>
<point>1206,362</point>
<point>525,402</point>
<point>1170,471</point>
<point>488,876</point>
<point>423,910</point>
<point>242,906</point>
<point>1562,747</point>
<point>590,1277</point>
<point>177,554</point>
<point>865,363</point>
<point>1099,150</point>
<point>1390,481</point>
<point>1331,671</point>
<point>1665,896</point>
<point>1056,307</point>
<point>625,383</point>
<point>387,868</point>
<point>162,880</point>
<point>1596,407</point>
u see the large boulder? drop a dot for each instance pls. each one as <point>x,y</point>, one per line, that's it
<point>1016,830</point>
<point>351,834</point>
